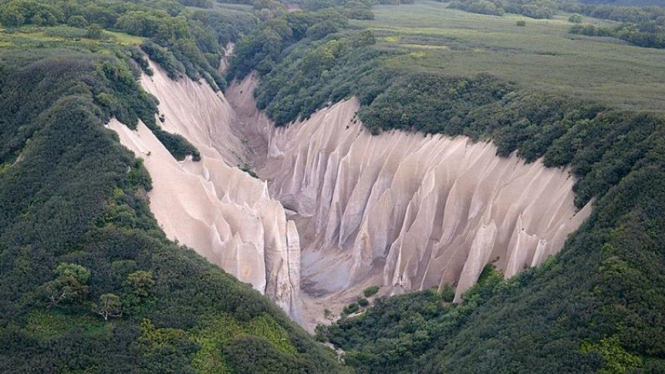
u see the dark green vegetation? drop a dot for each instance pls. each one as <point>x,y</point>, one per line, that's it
<point>183,40</point>
<point>564,131</point>
<point>647,34</point>
<point>261,49</point>
<point>596,307</point>
<point>88,281</point>
<point>530,8</point>
<point>631,3</point>
<point>350,309</point>
<point>360,303</point>
<point>191,38</point>
<point>430,38</point>
<point>70,194</point>
<point>351,9</point>
<point>630,14</point>
<point>636,11</point>
<point>642,26</point>
<point>371,291</point>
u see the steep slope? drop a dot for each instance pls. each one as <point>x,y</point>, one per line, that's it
<point>77,240</point>
<point>403,210</point>
<point>597,307</point>
<point>225,214</point>
<point>398,210</point>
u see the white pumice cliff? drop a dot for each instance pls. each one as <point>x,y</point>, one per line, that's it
<point>212,206</point>
<point>400,210</point>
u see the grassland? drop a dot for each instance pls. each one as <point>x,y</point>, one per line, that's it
<point>62,36</point>
<point>541,55</point>
<point>231,6</point>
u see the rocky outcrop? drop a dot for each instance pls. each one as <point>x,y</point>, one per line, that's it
<point>212,206</point>
<point>401,210</point>
<point>404,210</point>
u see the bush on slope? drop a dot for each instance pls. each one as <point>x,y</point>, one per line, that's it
<point>596,306</point>
<point>71,194</point>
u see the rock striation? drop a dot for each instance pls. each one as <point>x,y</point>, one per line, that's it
<point>341,209</point>
<point>213,206</point>
<point>404,210</point>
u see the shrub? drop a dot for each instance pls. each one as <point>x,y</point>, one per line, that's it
<point>78,22</point>
<point>69,286</point>
<point>94,31</point>
<point>177,145</point>
<point>351,308</point>
<point>164,58</point>
<point>320,30</point>
<point>12,18</point>
<point>371,291</point>
<point>448,293</point>
<point>109,306</point>
<point>575,18</point>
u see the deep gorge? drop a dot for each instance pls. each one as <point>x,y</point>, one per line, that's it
<point>365,187</point>
<point>336,209</point>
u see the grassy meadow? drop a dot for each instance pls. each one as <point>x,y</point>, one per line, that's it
<point>541,55</point>
<point>62,36</point>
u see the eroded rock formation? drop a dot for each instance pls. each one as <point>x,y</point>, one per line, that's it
<point>404,210</point>
<point>400,210</point>
<point>212,206</point>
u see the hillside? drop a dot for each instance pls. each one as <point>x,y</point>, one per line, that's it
<point>594,307</point>
<point>445,189</point>
<point>89,281</point>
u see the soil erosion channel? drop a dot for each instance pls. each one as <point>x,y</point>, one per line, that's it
<point>335,209</point>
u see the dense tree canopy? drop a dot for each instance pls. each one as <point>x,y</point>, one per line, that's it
<point>548,8</point>
<point>646,34</point>
<point>193,33</point>
<point>88,281</point>
<point>595,307</point>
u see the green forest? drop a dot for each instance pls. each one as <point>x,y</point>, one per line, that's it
<point>596,307</point>
<point>643,26</point>
<point>89,283</point>
<point>647,34</point>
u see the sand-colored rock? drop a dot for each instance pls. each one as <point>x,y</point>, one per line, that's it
<point>400,210</point>
<point>228,51</point>
<point>403,210</point>
<point>212,206</point>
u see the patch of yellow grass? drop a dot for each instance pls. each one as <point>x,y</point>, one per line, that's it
<point>426,46</point>
<point>125,39</point>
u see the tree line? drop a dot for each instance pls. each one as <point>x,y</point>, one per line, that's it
<point>594,307</point>
<point>88,280</point>
<point>193,35</point>
<point>645,34</point>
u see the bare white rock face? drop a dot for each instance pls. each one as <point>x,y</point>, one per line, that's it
<point>212,206</point>
<point>403,210</point>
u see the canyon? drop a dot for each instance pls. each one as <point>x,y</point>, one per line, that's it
<point>335,209</point>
